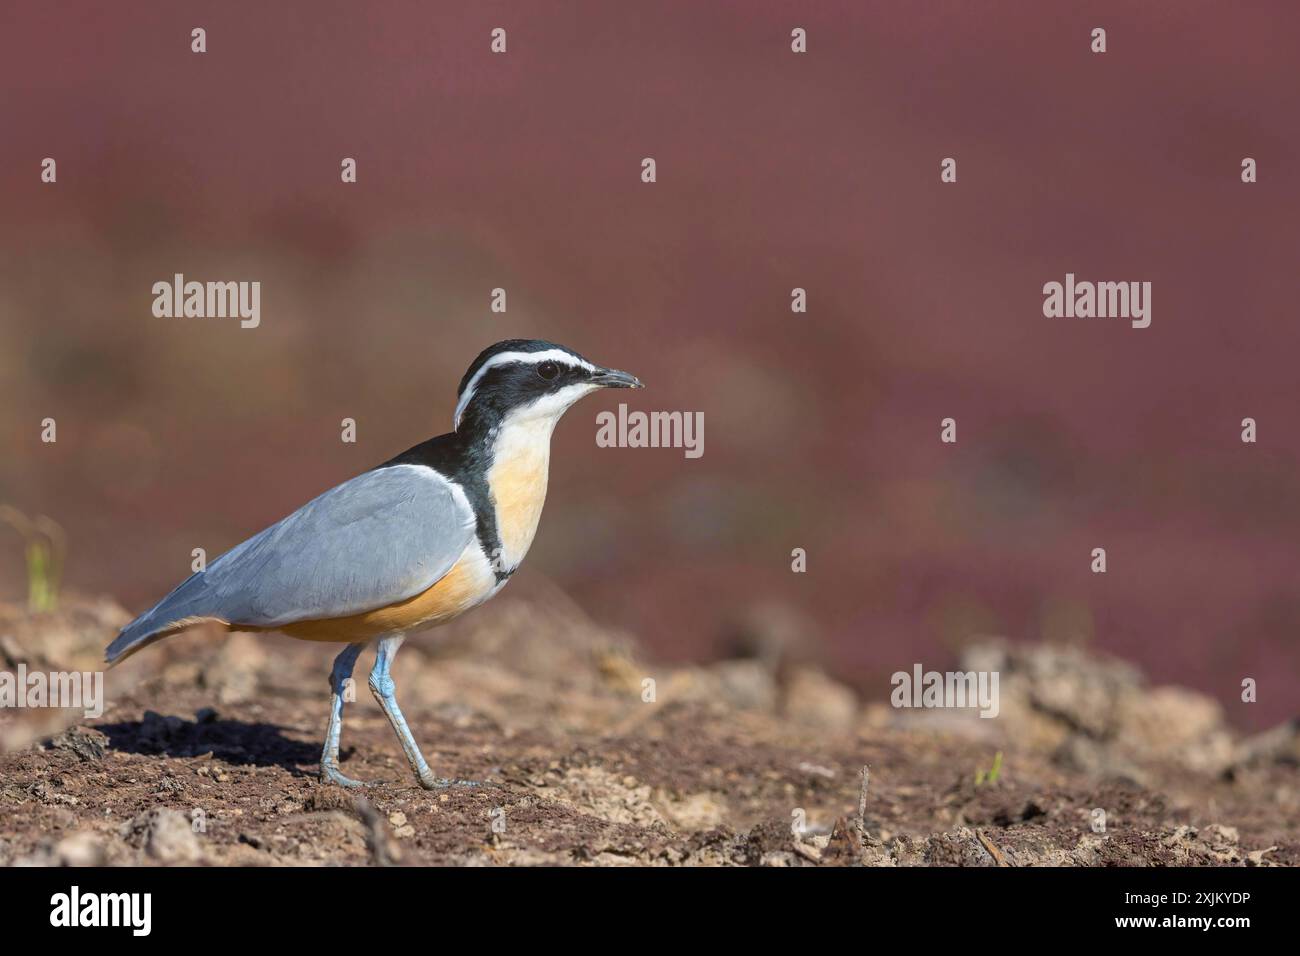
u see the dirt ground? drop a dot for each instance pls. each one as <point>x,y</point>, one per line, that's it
<point>207,753</point>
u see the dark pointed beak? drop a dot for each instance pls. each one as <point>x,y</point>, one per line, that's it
<point>613,378</point>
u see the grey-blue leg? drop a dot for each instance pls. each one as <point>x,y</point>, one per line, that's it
<point>381,683</point>
<point>329,761</point>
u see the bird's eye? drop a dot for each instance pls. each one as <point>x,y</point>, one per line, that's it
<point>548,370</point>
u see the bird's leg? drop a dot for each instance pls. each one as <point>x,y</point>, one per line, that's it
<point>381,682</point>
<point>329,760</point>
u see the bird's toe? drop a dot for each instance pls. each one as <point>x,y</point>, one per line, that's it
<point>331,774</point>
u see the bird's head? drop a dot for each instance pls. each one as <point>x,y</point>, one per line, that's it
<point>529,379</point>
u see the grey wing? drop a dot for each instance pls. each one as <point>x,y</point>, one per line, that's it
<point>378,539</point>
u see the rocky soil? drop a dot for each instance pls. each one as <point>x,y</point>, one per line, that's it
<point>206,754</point>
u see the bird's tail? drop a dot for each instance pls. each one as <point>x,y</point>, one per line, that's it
<point>136,635</point>
<point>173,613</point>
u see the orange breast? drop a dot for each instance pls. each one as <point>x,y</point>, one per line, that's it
<point>517,482</point>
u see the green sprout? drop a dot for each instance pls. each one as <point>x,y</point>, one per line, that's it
<point>990,776</point>
<point>44,548</point>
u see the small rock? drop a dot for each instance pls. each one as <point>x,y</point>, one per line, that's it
<point>745,684</point>
<point>85,742</point>
<point>328,797</point>
<point>812,698</point>
<point>213,772</point>
<point>816,770</point>
<point>808,851</point>
<point>1218,834</point>
<point>397,818</point>
<point>164,835</point>
<point>169,784</point>
<point>80,849</point>
<point>1256,857</point>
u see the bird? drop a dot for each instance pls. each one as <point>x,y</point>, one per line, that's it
<point>408,545</point>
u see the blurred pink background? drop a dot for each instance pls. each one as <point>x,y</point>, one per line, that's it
<point>775,170</point>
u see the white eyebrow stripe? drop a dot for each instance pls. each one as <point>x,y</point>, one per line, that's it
<point>532,358</point>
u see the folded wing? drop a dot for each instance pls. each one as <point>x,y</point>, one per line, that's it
<point>375,540</point>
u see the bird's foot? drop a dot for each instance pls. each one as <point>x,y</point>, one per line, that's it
<point>329,773</point>
<point>430,782</point>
